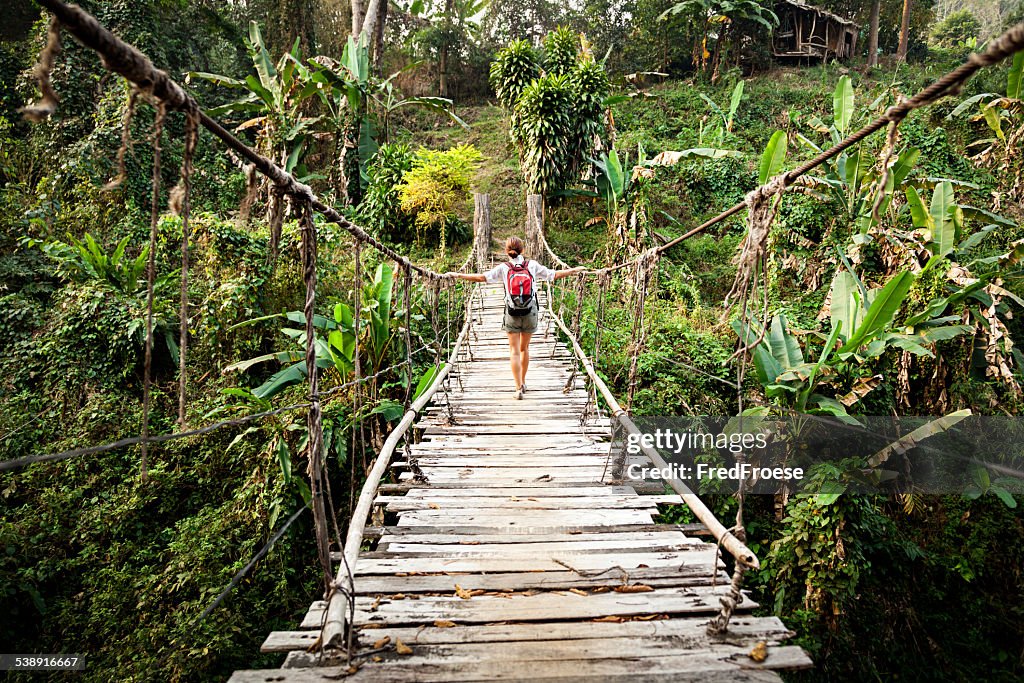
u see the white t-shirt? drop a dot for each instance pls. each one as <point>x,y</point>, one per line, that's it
<point>539,272</point>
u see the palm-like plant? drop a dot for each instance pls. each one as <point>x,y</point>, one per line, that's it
<point>85,259</point>
<point>274,96</point>
<point>335,349</point>
<point>358,109</point>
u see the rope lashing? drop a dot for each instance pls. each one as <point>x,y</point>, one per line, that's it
<point>574,325</point>
<point>181,204</point>
<point>41,110</point>
<point>314,417</point>
<point>646,265</point>
<point>357,314</point>
<point>276,220</point>
<point>762,204</point>
<point>147,373</point>
<point>126,139</point>
<point>720,623</point>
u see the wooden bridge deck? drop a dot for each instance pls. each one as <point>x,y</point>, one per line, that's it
<point>515,562</point>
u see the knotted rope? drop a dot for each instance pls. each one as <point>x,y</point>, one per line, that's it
<point>181,204</point>
<point>158,127</point>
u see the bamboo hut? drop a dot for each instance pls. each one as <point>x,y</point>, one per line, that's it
<point>808,31</point>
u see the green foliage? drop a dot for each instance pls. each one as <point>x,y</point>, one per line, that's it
<point>274,100</point>
<point>818,559</point>
<point>547,121</point>
<point>381,208</point>
<point>713,21</point>
<point>512,70</point>
<point>82,260</point>
<point>958,28</point>
<point>554,115</point>
<point>560,50</point>
<point>431,189</point>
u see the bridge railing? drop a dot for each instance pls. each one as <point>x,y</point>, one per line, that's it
<point>341,599</point>
<point>722,535</point>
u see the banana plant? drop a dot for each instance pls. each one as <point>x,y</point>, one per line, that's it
<point>1004,116</point>
<point>715,19</point>
<point>942,221</point>
<point>274,98</point>
<point>862,328</point>
<point>335,343</point>
<point>723,126</point>
<point>358,105</point>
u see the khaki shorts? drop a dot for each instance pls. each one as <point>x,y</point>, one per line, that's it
<point>521,323</point>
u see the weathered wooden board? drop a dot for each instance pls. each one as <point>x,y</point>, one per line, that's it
<point>539,607</point>
<point>671,577</point>
<point>743,631</point>
<point>524,518</point>
<point>524,503</point>
<point>582,491</point>
<point>569,672</point>
<point>555,562</point>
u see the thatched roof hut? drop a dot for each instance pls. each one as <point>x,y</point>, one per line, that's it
<point>808,31</point>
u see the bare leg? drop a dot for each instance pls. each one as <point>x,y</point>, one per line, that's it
<point>524,356</point>
<point>514,358</point>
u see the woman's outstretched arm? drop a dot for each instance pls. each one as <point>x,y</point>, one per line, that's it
<point>559,274</point>
<point>469,277</point>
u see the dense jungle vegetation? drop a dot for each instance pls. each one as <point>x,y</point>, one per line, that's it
<point>637,119</point>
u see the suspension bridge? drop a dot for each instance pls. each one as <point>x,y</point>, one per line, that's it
<point>510,550</point>
<point>509,545</point>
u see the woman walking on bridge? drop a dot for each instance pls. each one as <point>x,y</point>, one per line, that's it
<point>521,306</point>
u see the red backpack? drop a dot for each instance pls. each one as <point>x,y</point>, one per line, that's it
<point>519,285</point>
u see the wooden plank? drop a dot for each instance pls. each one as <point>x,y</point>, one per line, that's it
<point>639,487</point>
<point>398,504</point>
<point>582,491</point>
<point>548,655</point>
<point>510,549</point>
<point>524,518</point>
<point>284,641</point>
<point>742,629</point>
<point>590,476</point>
<point>705,666</point>
<point>537,607</point>
<point>509,673</point>
<point>526,533</point>
<point>539,540</point>
<point>556,562</point>
<point>389,584</point>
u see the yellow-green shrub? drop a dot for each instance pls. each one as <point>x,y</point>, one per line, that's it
<point>431,189</point>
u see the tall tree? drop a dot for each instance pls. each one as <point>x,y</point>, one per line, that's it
<point>357,17</point>
<point>378,39</point>
<point>876,8</point>
<point>442,86</point>
<point>901,51</point>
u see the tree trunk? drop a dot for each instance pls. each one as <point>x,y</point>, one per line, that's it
<point>357,17</point>
<point>876,7</point>
<point>370,19</point>
<point>378,39</point>
<point>901,52</point>
<point>442,66</point>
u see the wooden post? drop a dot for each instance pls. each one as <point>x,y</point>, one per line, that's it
<point>482,230</point>
<point>534,225</point>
